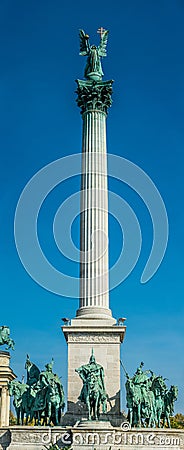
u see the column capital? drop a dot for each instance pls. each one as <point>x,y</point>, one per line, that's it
<point>94,95</point>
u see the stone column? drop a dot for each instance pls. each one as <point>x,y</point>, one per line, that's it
<point>94,98</point>
<point>94,327</point>
<point>94,286</point>
<point>7,407</point>
<point>3,416</point>
<point>6,375</point>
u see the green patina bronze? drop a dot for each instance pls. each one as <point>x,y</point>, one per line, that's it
<point>93,392</point>
<point>149,401</point>
<point>93,69</point>
<point>5,337</point>
<point>93,93</point>
<point>41,398</point>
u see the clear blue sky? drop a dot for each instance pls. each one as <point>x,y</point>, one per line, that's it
<point>40,122</point>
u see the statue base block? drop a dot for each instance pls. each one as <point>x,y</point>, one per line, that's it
<point>93,424</point>
<point>97,435</point>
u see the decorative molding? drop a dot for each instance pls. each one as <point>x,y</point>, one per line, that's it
<point>94,95</point>
<point>95,337</point>
<point>91,434</point>
<point>26,437</point>
<point>38,438</point>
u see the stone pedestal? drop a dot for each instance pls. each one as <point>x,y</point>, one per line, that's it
<point>105,340</point>
<point>6,375</point>
<point>93,436</point>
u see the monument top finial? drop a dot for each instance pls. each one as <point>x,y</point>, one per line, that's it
<point>93,69</point>
<point>100,31</point>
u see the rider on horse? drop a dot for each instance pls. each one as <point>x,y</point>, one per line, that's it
<point>92,374</point>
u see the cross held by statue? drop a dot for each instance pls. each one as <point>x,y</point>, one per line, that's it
<point>101,30</point>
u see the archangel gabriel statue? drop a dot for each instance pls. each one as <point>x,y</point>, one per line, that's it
<point>93,69</point>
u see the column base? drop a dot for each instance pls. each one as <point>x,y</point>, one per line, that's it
<point>95,313</point>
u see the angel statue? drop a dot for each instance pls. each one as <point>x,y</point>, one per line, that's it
<point>93,69</point>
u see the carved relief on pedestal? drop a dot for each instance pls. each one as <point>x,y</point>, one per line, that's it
<point>95,337</point>
<point>27,437</point>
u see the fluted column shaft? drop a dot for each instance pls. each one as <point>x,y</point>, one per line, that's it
<point>94,98</point>
<point>94,213</point>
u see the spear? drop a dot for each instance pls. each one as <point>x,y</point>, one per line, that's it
<point>126,373</point>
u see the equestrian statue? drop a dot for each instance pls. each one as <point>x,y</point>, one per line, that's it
<point>150,403</point>
<point>5,337</point>
<point>93,392</point>
<point>41,398</point>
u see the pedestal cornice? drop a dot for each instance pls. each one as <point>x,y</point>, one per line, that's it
<point>94,333</point>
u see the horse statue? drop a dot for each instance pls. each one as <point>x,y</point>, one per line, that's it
<point>168,405</point>
<point>18,391</point>
<point>5,337</point>
<point>41,398</point>
<point>134,400</point>
<point>148,410</point>
<point>149,401</point>
<point>95,397</point>
<point>159,388</point>
<point>47,393</point>
<point>48,403</point>
<point>93,392</point>
<point>54,402</point>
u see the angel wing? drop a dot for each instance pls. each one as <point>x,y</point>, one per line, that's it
<point>84,43</point>
<point>103,43</point>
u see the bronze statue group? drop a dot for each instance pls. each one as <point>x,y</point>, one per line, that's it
<point>149,401</point>
<point>41,398</point>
